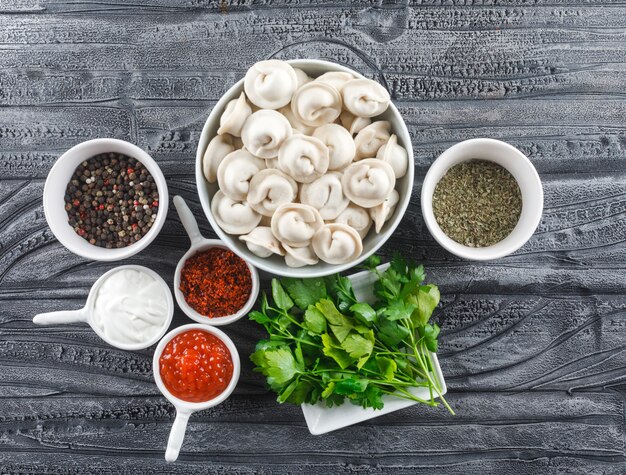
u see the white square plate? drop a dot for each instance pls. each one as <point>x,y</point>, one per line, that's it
<point>321,419</point>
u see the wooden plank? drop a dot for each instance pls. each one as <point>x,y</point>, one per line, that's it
<point>532,345</point>
<point>138,427</point>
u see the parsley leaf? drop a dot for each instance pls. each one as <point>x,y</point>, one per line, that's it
<point>364,312</point>
<point>398,310</point>
<point>387,367</point>
<point>305,292</point>
<point>279,365</point>
<point>430,333</point>
<point>391,333</point>
<point>334,351</point>
<point>280,297</point>
<point>357,345</point>
<point>261,319</point>
<point>350,386</point>
<point>371,262</point>
<point>340,288</point>
<point>339,323</point>
<point>314,320</point>
<point>371,397</point>
<point>425,299</point>
<point>398,265</point>
<point>389,285</point>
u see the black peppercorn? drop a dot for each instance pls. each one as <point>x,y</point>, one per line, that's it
<point>105,205</point>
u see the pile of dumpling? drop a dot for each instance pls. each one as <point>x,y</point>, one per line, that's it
<point>302,169</point>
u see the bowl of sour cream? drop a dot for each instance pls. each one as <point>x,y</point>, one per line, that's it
<point>130,307</point>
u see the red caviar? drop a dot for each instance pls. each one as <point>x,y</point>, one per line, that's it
<point>196,366</point>
<point>216,282</point>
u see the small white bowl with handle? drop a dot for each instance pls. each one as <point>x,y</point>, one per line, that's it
<point>86,314</point>
<point>201,244</point>
<point>184,409</point>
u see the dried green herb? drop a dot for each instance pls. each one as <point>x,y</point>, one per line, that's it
<point>477,203</point>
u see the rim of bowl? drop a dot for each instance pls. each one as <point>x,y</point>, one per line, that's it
<point>129,346</point>
<point>527,179</point>
<point>282,269</point>
<point>67,163</point>
<point>196,406</point>
<point>215,321</point>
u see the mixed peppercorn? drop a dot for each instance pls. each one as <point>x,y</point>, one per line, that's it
<point>216,282</point>
<point>111,200</point>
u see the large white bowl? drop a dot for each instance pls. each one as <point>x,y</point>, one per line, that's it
<point>54,202</point>
<point>276,264</point>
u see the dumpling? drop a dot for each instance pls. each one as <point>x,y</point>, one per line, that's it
<point>238,143</point>
<point>295,123</point>
<point>337,79</point>
<point>304,158</point>
<point>300,256</point>
<point>395,155</point>
<point>270,84</point>
<point>316,103</point>
<point>365,98</point>
<point>261,242</point>
<point>234,116</point>
<point>357,218</point>
<point>269,189</point>
<point>264,132</point>
<point>382,212</point>
<point>303,77</point>
<point>337,243</point>
<point>341,147</point>
<point>234,217</point>
<point>236,171</point>
<point>218,148</point>
<point>272,163</point>
<point>326,195</point>
<point>368,182</point>
<point>353,123</point>
<point>294,224</point>
<point>369,140</point>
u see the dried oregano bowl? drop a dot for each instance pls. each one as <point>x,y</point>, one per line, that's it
<point>522,170</point>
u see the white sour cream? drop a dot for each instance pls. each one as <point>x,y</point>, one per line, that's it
<point>130,307</point>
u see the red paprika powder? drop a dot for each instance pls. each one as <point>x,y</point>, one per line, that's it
<point>216,282</point>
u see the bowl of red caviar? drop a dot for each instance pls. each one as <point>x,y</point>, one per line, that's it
<point>196,367</point>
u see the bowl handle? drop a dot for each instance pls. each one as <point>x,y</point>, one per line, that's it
<point>177,434</point>
<point>189,222</point>
<point>63,316</point>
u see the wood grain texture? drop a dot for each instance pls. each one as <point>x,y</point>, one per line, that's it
<point>533,345</point>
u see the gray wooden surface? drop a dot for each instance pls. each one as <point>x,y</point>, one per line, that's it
<point>534,345</point>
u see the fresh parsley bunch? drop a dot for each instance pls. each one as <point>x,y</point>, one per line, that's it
<point>324,345</point>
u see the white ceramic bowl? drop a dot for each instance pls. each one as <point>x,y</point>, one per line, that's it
<point>205,245</point>
<point>276,264</point>
<point>522,170</point>
<point>200,244</point>
<point>184,409</point>
<point>54,203</point>
<point>86,314</point>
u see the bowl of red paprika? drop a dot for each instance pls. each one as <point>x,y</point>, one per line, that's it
<point>196,367</point>
<point>212,284</point>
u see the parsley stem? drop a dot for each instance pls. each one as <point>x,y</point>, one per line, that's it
<point>401,393</point>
